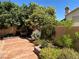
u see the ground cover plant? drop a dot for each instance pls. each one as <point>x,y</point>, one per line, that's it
<point>55,53</point>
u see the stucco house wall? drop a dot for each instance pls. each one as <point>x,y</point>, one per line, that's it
<point>74,16</point>
<point>74,13</point>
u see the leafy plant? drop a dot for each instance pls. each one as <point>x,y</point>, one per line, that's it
<point>65,41</point>
<point>49,53</point>
<point>76,41</point>
<point>67,53</point>
<point>53,53</point>
<point>41,42</point>
<point>67,24</point>
<point>13,15</point>
<point>77,35</point>
<point>45,18</point>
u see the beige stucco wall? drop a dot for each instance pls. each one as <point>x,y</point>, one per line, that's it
<point>75,20</point>
<point>75,13</point>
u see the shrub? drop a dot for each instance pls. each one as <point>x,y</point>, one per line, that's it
<point>68,54</point>
<point>65,41</point>
<point>76,35</point>
<point>49,53</point>
<point>47,31</point>
<point>41,42</point>
<point>76,41</point>
<point>54,53</point>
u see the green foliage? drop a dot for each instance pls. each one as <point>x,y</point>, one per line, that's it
<point>76,41</point>
<point>7,17</point>
<point>68,54</point>
<point>13,15</point>
<point>45,18</point>
<point>51,11</point>
<point>65,41</point>
<point>67,24</point>
<point>49,53</point>
<point>41,42</point>
<point>7,6</point>
<point>77,35</point>
<point>47,32</point>
<point>53,53</point>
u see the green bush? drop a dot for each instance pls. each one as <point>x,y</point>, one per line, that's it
<point>53,53</point>
<point>68,54</point>
<point>76,35</point>
<point>49,53</point>
<point>76,41</point>
<point>65,41</point>
<point>41,42</point>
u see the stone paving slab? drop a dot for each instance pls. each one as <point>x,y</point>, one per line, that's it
<point>16,48</point>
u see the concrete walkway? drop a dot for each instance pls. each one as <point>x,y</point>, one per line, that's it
<point>16,48</point>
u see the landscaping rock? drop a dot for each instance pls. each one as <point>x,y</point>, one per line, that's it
<point>37,50</point>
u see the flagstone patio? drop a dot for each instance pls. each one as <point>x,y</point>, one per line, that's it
<point>16,48</point>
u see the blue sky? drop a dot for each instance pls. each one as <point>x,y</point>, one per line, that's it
<point>59,5</point>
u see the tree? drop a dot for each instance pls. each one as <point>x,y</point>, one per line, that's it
<point>45,18</point>
<point>13,15</point>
